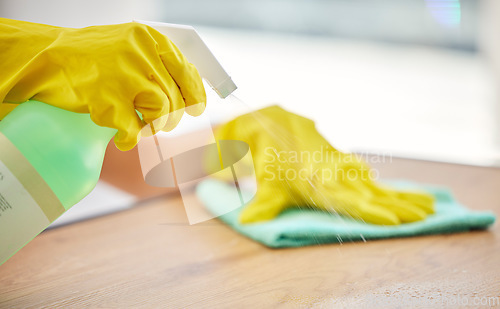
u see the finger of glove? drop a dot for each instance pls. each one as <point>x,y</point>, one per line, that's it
<point>154,127</point>
<point>422,200</point>
<point>405,211</point>
<point>188,80</point>
<point>354,205</point>
<point>185,75</point>
<point>266,205</point>
<point>122,117</point>
<point>173,120</point>
<point>158,97</point>
<point>161,110</point>
<point>375,214</point>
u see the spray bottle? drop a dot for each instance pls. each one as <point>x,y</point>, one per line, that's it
<point>50,158</point>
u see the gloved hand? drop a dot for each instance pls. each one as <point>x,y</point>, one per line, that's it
<point>296,167</point>
<point>108,71</point>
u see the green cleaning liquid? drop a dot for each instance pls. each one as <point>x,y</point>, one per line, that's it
<point>49,160</point>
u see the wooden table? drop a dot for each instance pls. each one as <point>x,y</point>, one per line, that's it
<point>149,257</point>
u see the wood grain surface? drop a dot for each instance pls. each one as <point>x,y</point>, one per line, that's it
<point>148,257</point>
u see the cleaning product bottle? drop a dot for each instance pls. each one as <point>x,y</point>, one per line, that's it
<point>51,158</point>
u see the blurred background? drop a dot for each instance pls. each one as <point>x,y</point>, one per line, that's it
<point>410,78</point>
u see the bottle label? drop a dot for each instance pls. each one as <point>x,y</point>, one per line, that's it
<point>27,204</point>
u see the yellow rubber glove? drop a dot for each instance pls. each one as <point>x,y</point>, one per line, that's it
<point>296,166</point>
<point>108,71</point>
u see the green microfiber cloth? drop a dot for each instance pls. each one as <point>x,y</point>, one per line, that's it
<point>302,227</point>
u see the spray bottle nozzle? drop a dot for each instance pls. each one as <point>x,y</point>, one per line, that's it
<point>196,51</point>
